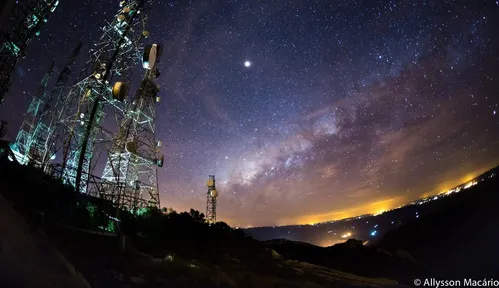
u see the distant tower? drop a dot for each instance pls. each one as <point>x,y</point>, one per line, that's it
<point>211,201</point>
<point>16,31</point>
<point>25,148</point>
<point>130,175</point>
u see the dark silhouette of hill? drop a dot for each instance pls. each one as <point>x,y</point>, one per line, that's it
<point>362,227</point>
<point>30,259</point>
<point>156,249</point>
<point>460,240</point>
<point>353,257</point>
<point>170,249</point>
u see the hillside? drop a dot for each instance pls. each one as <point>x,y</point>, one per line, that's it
<point>369,228</point>
<point>161,250</point>
<point>24,251</point>
<point>446,244</point>
<point>453,240</point>
<point>353,257</point>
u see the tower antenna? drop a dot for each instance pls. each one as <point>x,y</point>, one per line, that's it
<point>16,31</point>
<point>37,136</point>
<point>130,174</point>
<point>211,201</point>
<point>110,67</point>
<point>26,146</point>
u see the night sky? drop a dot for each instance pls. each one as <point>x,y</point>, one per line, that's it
<point>306,111</point>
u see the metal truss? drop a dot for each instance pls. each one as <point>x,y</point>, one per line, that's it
<point>26,19</point>
<point>49,128</point>
<point>27,145</point>
<point>211,201</point>
<point>112,59</point>
<point>130,174</point>
<point>36,140</point>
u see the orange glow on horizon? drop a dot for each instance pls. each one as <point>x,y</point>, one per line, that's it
<point>371,208</point>
<point>330,242</point>
<point>374,208</point>
<point>445,186</point>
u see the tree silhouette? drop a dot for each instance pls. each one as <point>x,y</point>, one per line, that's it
<point>197,216</point>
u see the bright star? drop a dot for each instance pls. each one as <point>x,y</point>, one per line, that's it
<point>247,64</point>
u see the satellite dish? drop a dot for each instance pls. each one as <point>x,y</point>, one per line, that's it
<point>121,17</point>
<point>159,162</point>
<point>120,91</point>
<point>209,183</point>
<point>214,193</point>
<point>126,10</point>
<point>131,147</point>
<point>145,33</point>
<point>149,57</point>
<point>54,6</point>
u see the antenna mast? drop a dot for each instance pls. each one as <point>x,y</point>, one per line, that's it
<point>130,175</point>
<point>26,145</point>
<point>211,201</point>
<point>111,62</point>
<point>25,21</point>
<point>35,141</point>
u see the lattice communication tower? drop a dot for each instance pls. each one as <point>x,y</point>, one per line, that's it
<point>112,60</point>
<point>36,139</point>
<point>49,128</point>
<point>211,201</point>
<point>26,147</point>
<point>24,23</point>
<point>130,174</point>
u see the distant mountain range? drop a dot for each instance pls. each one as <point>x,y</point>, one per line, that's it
<point>366,227</point>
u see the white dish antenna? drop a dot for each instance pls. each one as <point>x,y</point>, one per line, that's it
<point>214,193</point>
<point>149,57</point>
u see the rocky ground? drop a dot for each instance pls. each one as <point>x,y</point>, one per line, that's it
<point>76,258</point>
<point>105,267</point>
<point>353,257</point>
<point>29,258</point>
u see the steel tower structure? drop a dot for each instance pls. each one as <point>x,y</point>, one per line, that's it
<point>48,127</point>
<point>26,147</point>
<point>35,141</point>
<point>130,174</point>
<point>111,60</point>
<point>25,21</point>
<point>211,201</point>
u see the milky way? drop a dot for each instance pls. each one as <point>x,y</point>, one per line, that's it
<point>347,107</point>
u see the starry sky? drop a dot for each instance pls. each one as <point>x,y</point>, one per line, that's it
<point>306,111</point>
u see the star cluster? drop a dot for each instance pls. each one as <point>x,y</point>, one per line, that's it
<point>308,111</point>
